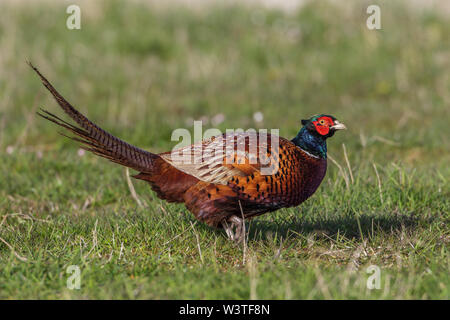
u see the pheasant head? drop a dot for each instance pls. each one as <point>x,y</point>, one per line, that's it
<point>314,133</point>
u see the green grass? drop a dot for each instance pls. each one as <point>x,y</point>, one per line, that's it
<point>141,71</point>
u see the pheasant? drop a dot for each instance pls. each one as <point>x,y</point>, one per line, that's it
<point>223,180</point>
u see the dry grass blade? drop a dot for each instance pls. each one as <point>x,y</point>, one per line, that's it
<point>94,240</point>
<point>178,235</point>
<point>347,183</point>
<point>348,164</point>
<point>386,141</point>
<point>132,190</point>
<point>198,243</point>
<point>23,259</point>
<point>379,182</point>
<point>121,251</point>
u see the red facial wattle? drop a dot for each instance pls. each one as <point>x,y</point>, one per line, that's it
<point>323,125</point>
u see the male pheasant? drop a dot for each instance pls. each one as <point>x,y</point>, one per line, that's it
<point>224,179</point>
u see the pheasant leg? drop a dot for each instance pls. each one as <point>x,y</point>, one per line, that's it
<point>238,223</point>
<point>234,228</point>
<point>228,230</point>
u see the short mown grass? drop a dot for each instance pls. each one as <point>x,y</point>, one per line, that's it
<point>141,71</point>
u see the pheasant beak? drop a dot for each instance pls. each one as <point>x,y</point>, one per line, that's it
<point>338,126</point>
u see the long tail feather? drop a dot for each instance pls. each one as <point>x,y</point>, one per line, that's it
<point>95,139</point>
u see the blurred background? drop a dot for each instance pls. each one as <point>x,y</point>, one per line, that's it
<point>141,69</point>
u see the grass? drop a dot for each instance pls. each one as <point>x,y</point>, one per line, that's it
<point>141,71</point>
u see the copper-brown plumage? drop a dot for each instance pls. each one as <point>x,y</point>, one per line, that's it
<point>227,177</point>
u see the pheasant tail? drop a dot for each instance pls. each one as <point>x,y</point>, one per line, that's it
<point>95,139</point>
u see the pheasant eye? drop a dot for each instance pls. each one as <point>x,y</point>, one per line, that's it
<point>322,122</point>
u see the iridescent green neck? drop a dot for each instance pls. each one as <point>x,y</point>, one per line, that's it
<point>312,143</point>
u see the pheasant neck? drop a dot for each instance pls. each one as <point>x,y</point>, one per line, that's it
<point>311,143</point>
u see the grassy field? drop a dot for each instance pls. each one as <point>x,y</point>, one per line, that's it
<point>141,71</point>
